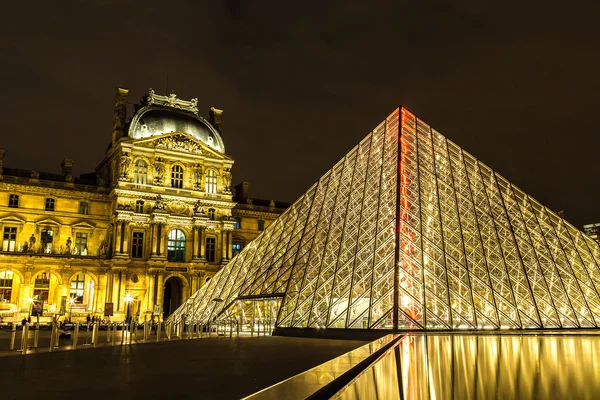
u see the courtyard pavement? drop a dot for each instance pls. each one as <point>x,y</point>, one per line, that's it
<point>208,368</point>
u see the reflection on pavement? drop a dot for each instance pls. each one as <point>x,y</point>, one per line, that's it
<point>484,367</point>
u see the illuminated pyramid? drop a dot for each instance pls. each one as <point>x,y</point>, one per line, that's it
<point>408,231</point>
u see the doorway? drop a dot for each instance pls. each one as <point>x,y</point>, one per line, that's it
<point>172,296</point>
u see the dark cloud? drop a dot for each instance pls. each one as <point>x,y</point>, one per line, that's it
<point>514,83</point>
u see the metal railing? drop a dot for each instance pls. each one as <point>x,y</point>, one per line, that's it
<point>35,338</point>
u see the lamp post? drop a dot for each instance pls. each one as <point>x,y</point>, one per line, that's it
<point>30,301</point>
<point>71,302</point>
<point>128,299</point>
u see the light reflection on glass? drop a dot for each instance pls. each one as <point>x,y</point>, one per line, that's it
<point>484,367</point>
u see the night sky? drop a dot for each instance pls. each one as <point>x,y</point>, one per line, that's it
<point>516,83</point>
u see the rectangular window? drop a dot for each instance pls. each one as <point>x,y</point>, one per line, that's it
<point>238,223</point>
<point>137,245</point>
<point>46,238</point>
<point>41,288</point>
<point>211,247</point>
<point>49,204</point>
<point>13,200</point>
<point>9,239</point>
<point>81,243</point>
<point>236,247</point>
<point>83,207</point>
<point>139,207</point>
<point>261,225</point>
<point>6,281</point>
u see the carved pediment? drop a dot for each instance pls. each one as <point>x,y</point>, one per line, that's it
<point>178,141</point>
<point>179,207</point>
<point>12,219</point>
<point>48,221</point>
<point>83,225</point>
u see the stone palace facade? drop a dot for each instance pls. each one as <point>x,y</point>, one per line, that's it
<point>155,220</point>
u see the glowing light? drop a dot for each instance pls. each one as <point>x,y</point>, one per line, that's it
<point>128,298</point>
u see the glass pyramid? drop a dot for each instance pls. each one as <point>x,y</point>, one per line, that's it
<point>409,231</point>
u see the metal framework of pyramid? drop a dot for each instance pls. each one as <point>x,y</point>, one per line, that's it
<point>409,231</point>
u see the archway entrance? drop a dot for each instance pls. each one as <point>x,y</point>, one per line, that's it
<point>172,296</point>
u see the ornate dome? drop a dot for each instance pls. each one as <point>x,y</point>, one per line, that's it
<point>155,120</point>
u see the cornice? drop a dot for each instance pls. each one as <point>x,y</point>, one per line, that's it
<point>55,192</point>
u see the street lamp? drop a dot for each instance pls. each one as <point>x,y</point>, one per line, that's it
<point>71,302</point>
<point>30,301</point>
<point>128,299</point>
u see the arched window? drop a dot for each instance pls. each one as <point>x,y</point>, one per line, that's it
<point>139,207</point>
<point>77,288</point>
<point>177,176</point>
<point>140,172</point>
<point>176,246</point>
<point>211,214</point>
<point>211,181</point>
<point>82,290</point>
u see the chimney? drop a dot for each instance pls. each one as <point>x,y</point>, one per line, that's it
<point>66,167</point>
<point>120,114</point>
<point>242,191</point>
<point>214,117</point>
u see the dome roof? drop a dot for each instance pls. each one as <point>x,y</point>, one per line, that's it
<point>155,120</point>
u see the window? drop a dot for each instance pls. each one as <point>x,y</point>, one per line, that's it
<point>211,246</point>
<point>77,288</point>
<point>139,207</point>
<point>137,245</point>
<point>81,243</point>
<point>236,247</point>
<point>83,207</point>
<point>140,172</point>
<point>41,288</point>
<point>261,225</point>
<point>176,246</point>
<point>46,238</point>
<point>13,200</point>
<point>177,177</point>
<point>211,214</point>
<point>9,240</point>
<point>49,204</point>
<point>238,223</point>
<point>6,281</point>
<point>211,181</point>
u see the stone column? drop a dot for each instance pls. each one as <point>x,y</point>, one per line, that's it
<point>115,290</point>
<point>126,237</point>
<point>118,241</point>
<point>108,290</point>
<point>160,290</point>
<point>223,244</point>
<point>195,242</point>
<point>153,238</point>
<point>123,282</point>
<point>100,292</point>
<point>160,228</point>
<point>202,244</point>
<point>150,296</point>
<point>229,245</point>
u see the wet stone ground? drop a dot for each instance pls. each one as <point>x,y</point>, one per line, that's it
<point>209,368</point>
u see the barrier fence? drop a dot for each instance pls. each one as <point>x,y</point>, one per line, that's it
<point>35,338</point>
